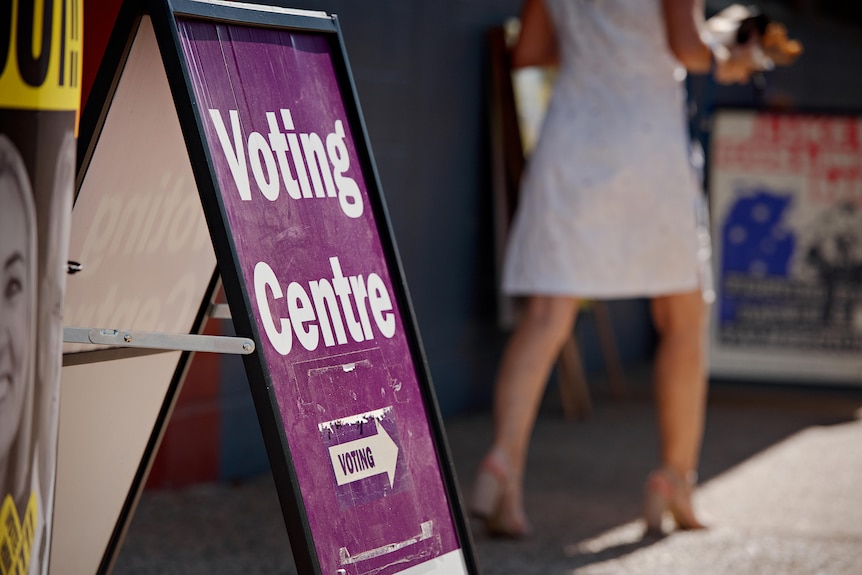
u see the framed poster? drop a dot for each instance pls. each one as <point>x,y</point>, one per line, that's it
<point>311,272</point>
<point>786,208</point>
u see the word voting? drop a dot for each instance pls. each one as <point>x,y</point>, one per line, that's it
<point>315,168</point>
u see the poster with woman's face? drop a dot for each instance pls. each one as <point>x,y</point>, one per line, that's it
<point>20,506</point>
<point>17,296</point>
<point>39,99</point>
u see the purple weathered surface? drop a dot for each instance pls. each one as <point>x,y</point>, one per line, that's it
<point>331,334</point>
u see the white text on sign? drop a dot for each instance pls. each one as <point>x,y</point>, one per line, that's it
<point>366,457</point>
<point>351,301</point>
<point>313,169</point>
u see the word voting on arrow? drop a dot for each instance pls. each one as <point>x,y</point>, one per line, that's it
<point>362,458</point>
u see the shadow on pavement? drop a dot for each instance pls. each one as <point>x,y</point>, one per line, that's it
<point>764,449</point>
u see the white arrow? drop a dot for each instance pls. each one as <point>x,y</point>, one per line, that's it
<point>366,457</point>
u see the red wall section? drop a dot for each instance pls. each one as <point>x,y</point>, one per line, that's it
<point>99,17</point>
<point>189,452</point>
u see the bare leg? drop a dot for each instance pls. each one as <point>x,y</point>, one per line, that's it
<point>680,389</point>
<point>523,374</point>
<point>524,371</point>
<point>680,378</point>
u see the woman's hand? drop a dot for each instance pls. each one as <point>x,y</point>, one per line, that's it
<point>711,48</point>
<point>736,63</point>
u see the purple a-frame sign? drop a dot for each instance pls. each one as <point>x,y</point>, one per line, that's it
<point>292,200</point>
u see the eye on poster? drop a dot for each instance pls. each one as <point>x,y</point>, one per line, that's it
<point>786,205</point>
<point>311,273</point>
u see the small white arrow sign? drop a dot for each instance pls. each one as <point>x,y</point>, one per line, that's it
<point>366,457</point>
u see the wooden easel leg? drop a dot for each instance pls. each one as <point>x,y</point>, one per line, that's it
<point>574,393</point>
<point>616,379</point>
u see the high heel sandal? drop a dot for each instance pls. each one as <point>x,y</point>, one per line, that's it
<point>496,499</point>
<point>668,491</point>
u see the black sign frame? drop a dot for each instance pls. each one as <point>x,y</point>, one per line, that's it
<point>164,15</point>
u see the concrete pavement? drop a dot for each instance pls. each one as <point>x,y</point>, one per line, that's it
<point>781,486</point>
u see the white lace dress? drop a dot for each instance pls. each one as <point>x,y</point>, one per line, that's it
<point>609,198</point>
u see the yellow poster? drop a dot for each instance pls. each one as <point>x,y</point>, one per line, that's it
<point>40,65</point>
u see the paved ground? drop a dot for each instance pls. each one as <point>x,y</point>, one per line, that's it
<point>781,485</point>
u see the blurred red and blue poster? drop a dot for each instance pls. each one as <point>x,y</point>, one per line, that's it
<point>324,296</point>
<point>786,205</point>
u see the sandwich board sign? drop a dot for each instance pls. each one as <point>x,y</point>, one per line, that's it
<point>292,201</point>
